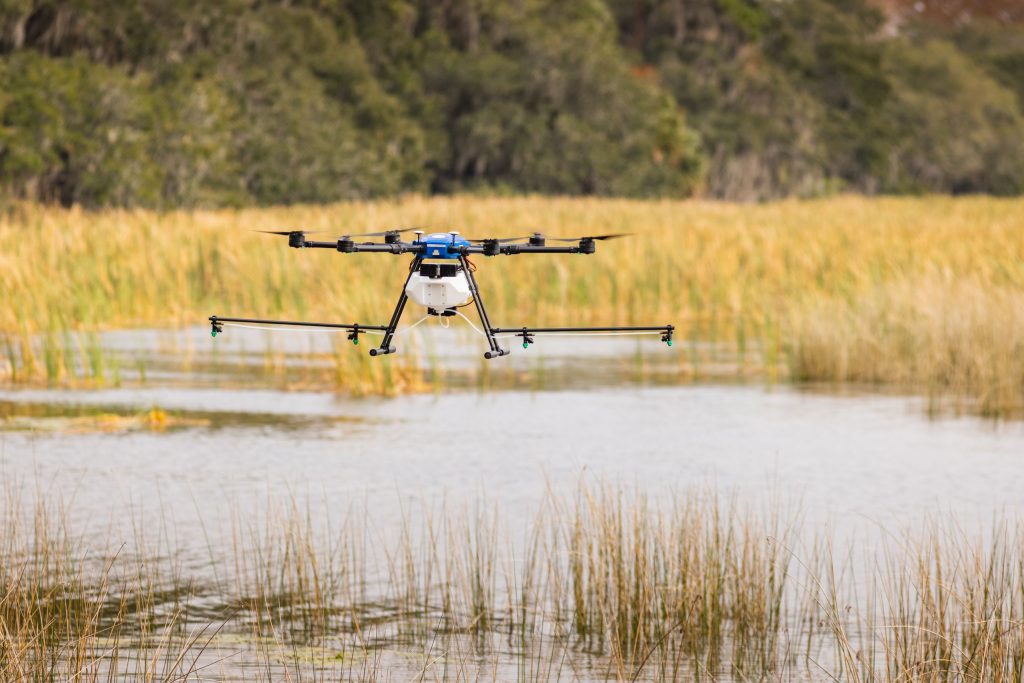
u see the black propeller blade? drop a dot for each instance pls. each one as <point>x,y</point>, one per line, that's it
<point>382,233</point>
<point>288,232</point>
<point>296,238</point>
<point>499,240</point>
<point>591,237</point>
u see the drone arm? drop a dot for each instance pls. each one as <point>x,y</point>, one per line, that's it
<point>526,333</point>
<point>531,249</point>
<point>510,249</point>
<point>217,325</point>
<point>350,247</point>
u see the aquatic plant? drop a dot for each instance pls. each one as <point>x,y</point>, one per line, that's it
<point>606,585</point>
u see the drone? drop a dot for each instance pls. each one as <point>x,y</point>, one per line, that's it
<point>441,279</point>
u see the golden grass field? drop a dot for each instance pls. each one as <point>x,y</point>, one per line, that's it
<point>924,294</point>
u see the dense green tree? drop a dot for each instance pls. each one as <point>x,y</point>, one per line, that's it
<point>957,128</point>
<point>534,95</point>
<point>314,124</point>
<point>73,131</point>
<point>554,107</point>
<point>809,96</point>
<point>182,103</point>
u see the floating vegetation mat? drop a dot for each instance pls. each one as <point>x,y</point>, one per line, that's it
<point>154,419</point>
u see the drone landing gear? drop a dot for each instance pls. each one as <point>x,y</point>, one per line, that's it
<point>389,332</point>
<point>496,349</point>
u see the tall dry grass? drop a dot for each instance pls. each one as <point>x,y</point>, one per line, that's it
<point>934,604</point>
<point>70,613</point>
<point>960,341</point>
<point>603,586</point>
<point>926,293</point>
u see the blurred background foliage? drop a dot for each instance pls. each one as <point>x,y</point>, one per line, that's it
<point>183,103</point>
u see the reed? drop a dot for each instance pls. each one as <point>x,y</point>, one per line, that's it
<point>961,342</point>
<point>921,293</point>
<point>606,585</point>
<point>941,605</point>
<point>66,614</point>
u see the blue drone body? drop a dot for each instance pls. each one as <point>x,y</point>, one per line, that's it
<point>441,245</point>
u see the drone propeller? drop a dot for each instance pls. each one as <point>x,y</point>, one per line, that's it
<point>591,237</point>
<point>382,233</point>
<point>499,240</point>
<point>286,233</point>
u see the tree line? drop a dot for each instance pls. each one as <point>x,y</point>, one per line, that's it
<point>190,103</point>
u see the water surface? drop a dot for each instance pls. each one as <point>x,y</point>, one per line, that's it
<point>605,412</point>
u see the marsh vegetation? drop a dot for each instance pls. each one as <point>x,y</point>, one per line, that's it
<point>923,295</point>
<point>600,585</point>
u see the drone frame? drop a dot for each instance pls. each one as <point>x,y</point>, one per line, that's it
<point>455,250</point>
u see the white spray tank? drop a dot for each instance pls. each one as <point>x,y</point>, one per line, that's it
<point>440,287</point>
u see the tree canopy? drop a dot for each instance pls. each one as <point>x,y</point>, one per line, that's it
<point>182,103</point>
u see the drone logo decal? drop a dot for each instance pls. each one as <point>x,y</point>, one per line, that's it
<point>441,280</point>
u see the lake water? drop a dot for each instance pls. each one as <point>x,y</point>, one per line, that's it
<point>857,463</point>
<point>862,456</point>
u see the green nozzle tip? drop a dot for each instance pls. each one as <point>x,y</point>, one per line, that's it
<point>356,341</point>
<point>526,345</point>
<point>669,342</point>
<point>213,333</point>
